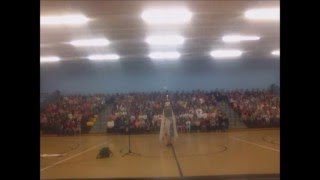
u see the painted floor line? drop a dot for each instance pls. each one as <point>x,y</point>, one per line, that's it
<point>248,142</point>
<point>178,164</point>
<point>82,152</point>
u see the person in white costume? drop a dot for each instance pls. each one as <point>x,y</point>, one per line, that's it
<point>168,128</point>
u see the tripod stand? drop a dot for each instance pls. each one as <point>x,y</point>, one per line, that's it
<point>130,153</point>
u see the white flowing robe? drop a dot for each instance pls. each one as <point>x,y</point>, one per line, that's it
<point>166,124</point>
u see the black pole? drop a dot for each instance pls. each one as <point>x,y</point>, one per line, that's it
<point>130,153</point>
<point>129,142</point>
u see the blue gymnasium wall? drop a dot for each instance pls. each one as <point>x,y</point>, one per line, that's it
<point>145,75</point>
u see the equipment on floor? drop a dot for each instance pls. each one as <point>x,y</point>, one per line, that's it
<point>104,153</point>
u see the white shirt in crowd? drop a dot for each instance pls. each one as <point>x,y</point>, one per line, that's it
<point>110,124</point>
<point>143,117</point>
<point>199,113</point>
<point>204,115</point>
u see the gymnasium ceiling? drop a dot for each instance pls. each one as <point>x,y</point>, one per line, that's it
<point>120,22</point>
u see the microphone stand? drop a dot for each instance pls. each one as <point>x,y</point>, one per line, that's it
<point>129,153</point>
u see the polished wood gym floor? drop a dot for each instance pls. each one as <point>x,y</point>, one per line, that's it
<point>193,154</point>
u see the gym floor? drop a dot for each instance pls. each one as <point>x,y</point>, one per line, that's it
<point>245,152</point>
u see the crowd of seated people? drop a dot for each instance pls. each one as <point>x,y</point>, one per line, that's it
<point>142,112</point>
<point>257,108</point>
<point>68,115</point>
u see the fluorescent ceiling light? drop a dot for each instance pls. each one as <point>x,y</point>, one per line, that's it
<point>238,38</point>
<point>90,42</point>
<point>64,20</point>
<point>165,55</point>
<point>225,53</point>
<point>166,16</point>
<point>49,59</point>
<point>165,40</point>
<point>263,14</point>
<point>276,52</point>
<point>101,57</point>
